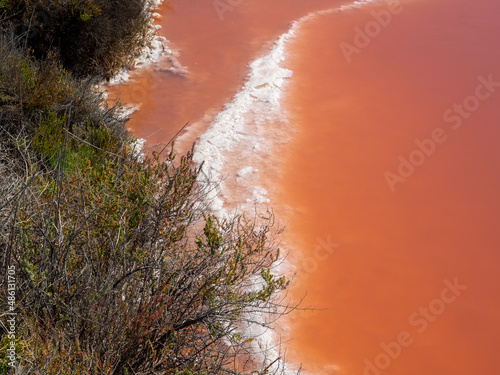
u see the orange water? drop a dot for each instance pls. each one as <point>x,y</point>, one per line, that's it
<point>396,249</point>
<point>216,48</point>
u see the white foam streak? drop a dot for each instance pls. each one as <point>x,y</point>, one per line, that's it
<point>257,104</point>
<point>238,131</point>
<point>153,53</point>
<point>241,138</point>
<point>359,4</point>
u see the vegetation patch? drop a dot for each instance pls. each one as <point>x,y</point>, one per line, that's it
<point>91,37</point>
<point>119,267</point>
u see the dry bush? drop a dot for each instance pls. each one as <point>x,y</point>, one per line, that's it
<point>113,279</point>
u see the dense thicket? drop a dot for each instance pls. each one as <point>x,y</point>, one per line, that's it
<point>91,37</point>
<point>119,268</point>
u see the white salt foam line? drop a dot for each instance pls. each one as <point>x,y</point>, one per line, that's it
<point>150,55</point>
<point>258,100</point>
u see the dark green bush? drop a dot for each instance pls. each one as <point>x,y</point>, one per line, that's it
<point>42,101</point>
<point>90,37</point>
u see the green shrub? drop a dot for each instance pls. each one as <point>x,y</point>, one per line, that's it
<point>41,101</point>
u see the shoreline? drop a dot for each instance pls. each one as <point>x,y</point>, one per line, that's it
<point>256,91</point>
<point>153,53</point>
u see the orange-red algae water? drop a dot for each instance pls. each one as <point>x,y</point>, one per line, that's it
<point>401,242</point>
<point>397,249</point>
<point>216,48</point>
